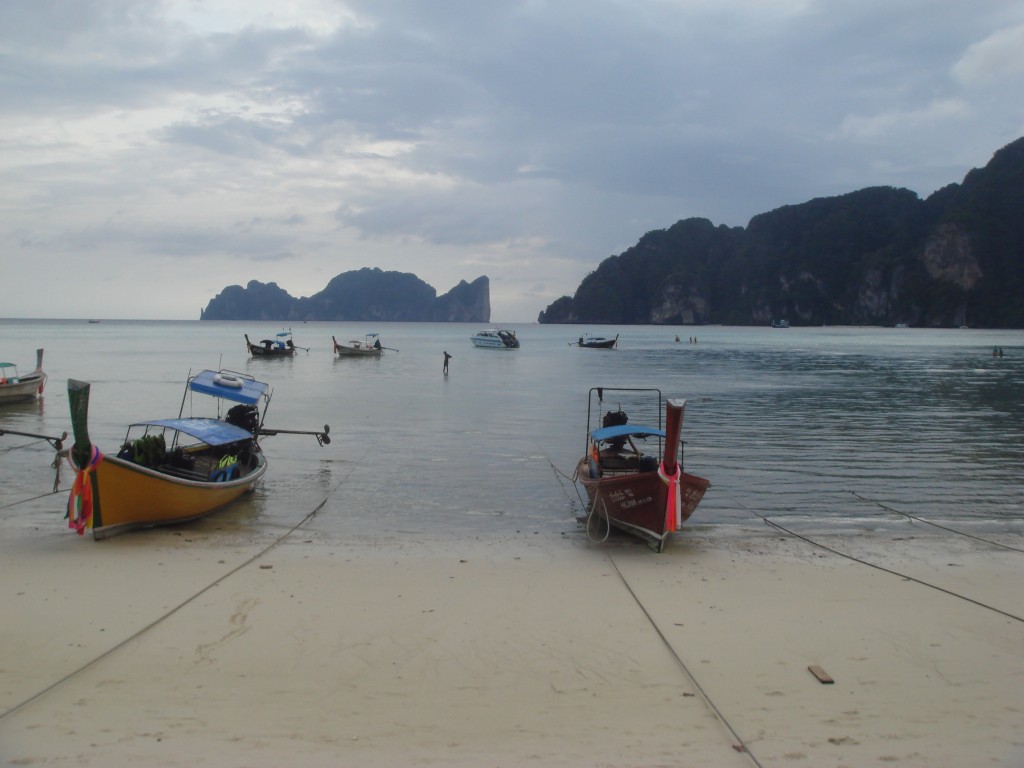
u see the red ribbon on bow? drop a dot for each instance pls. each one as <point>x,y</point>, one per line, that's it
<point>79,515</point>
<point>673,503</point>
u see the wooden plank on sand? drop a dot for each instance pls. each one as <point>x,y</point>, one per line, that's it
<point>821,674</point>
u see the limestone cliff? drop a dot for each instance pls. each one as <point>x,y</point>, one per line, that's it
<point>876,256</point>
<point>366,294</point>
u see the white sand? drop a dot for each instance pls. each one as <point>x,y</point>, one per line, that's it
<point>507,652</point>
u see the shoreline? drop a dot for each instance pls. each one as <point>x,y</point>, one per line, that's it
<point>192,646</point>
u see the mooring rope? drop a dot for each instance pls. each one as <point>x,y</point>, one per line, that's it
<point>936,525</point>
<point>92,662</point>
<point>592,511</point>
<point>882,568</point>
<point>34,443</point>
<point>740,745</point>
<point>34,498</point>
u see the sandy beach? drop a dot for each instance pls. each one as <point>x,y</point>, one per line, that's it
<point>206,646</point>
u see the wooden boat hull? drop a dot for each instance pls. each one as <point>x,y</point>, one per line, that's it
<point>344,350</point>
<point>25,388</point>
<point>636,503</point>
<point>127,495</point>
<point>16,390</point>
<point>260,350</point>
<point>598,343</point>
<point>637,493</point>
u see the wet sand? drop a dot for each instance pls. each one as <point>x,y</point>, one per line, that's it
<point>208,647</point>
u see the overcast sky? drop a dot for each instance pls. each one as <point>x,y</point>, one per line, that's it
<point>153,153</point>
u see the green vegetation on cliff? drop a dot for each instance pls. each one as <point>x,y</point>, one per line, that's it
<point>876,256</point>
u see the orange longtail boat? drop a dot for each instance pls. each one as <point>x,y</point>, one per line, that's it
<point>170,471</point>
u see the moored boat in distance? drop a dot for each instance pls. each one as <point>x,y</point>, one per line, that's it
<point>15,388</point>
<point>645,494</point>
<point>780,323</point>
<point>370,346</point>
<point>495,338</point>
<point>173,470</point>
<point>597,342</point>
<point>280,346</point>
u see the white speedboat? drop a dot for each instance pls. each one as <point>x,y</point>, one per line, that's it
<point>495,339</point>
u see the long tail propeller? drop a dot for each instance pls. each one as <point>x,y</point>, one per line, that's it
<point>323,437</point>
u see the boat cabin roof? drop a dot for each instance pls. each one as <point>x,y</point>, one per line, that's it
<point>626,430</point>
<point>210,431</point>
<point>249,392</point>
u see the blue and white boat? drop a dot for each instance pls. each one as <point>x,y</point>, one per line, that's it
<point>495,339</point>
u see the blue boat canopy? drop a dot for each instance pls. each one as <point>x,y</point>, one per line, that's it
<point>626,430</point>
<point>209,383</point>
<point>210,431</point>
<point>284,333</point>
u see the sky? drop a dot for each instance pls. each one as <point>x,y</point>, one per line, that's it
<point>153,153</point>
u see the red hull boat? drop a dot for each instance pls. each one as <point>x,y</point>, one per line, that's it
<point>642,493</point>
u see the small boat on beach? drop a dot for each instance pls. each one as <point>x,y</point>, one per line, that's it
<point>15,388</point>
<point>597,342</point>
<point>780,323</point>
<point>280,346</point>
<point>643,493</point>
<point>370,346</point>
<point>173,470</point>
<point>495,339</point>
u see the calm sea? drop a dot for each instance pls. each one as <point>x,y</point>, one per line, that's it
<point>814,428</point>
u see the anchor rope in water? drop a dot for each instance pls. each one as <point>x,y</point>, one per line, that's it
<point>882,568</point>
<point>34,443</point>
<point>592,511</point>
<point>160,619</point>
<point>740,745</point>
<point>936,525</point>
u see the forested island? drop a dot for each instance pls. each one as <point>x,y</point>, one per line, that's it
<point>364,294</point>
<point>877,256</point>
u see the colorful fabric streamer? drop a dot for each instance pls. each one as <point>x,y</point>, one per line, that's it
<point>673,502</point>
<point>79,514</point>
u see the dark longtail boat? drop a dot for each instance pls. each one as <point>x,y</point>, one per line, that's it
<point>597,342</point>
<point>646,494</point>
<point>281,346</point>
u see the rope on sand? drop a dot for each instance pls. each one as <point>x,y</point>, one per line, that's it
<point>882,568</point>
<point>34,498</point>
<point>172,611</point>
<point>740,745</point>
<point>936,525</point>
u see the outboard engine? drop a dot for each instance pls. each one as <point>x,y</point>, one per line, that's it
<point>245,416</point>
<point>615,419</point>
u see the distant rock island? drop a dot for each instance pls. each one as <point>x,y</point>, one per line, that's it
<point>878,256</point>
<point>364,294</point>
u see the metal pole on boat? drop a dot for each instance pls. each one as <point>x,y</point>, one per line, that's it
<point>56,442</point>
<point>322,437</point>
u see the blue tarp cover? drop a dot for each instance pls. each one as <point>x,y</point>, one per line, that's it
<point>624,430</point>
<point>249,393</point>
<point>210,431</point>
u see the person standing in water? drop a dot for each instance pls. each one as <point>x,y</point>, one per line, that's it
<point>447,357</point>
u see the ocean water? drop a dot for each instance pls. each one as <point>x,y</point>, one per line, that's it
<point>815,428</point>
